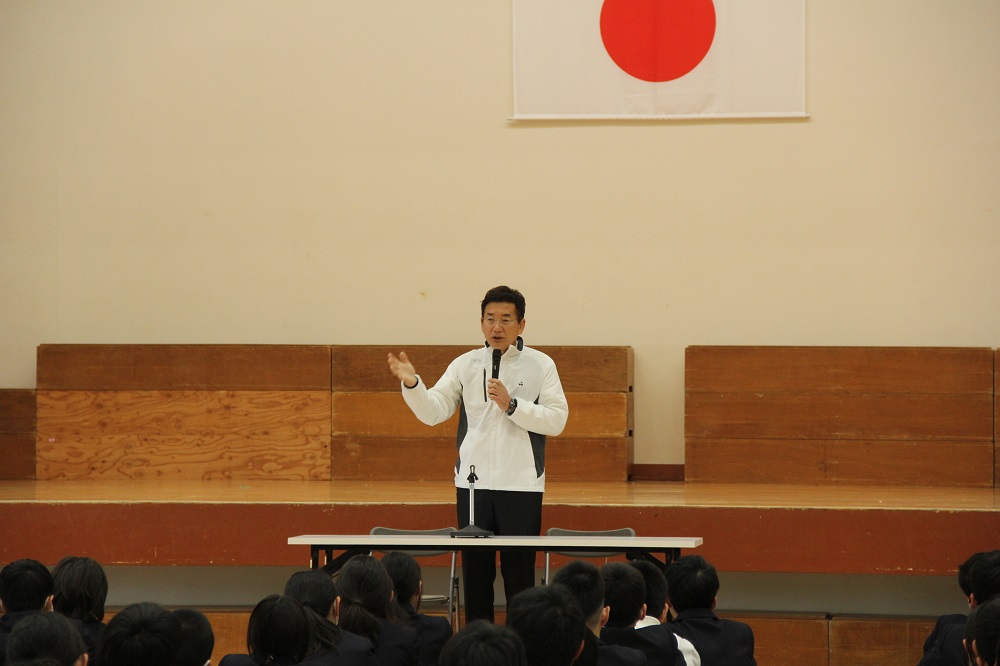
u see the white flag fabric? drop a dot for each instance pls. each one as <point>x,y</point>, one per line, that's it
<point>659,59</point>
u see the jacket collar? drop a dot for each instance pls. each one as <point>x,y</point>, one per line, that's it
<point>519,344</point>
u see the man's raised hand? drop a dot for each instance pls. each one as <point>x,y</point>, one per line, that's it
<point>403,369</point>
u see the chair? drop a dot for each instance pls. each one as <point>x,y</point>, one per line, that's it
<point>557,531</point>
<point>451,599</point>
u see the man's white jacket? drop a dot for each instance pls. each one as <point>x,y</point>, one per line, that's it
<point>508,451</point>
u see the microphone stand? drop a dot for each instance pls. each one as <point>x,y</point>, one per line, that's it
<point>470,530</point>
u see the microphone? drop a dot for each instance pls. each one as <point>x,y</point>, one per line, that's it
<point>496,363</point>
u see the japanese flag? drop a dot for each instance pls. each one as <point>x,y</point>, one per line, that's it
<point>659,58</point>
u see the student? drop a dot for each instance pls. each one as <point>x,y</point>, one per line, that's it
<point>944,647</point>
<point>278,634</point>
<point>692,589</point>
<point>625,594</point>
<point>79,591</point>
<point>658,610</point>
<point>142,634</point>
<point>366,595</point>
<point>25,590</point>
<point>549,623</point>
<point>197,640</point>
<point>330,644</point>
<point>481,643</point>
<point>583,581</point>
<point>986,633</point>
<point>48,637</point>
<point>432,632</point>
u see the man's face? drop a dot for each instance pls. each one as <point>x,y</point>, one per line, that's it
<point>500,325</point>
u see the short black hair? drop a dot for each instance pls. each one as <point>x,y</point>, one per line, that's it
<point>481,643</point>
<point>45,636</point>
<point>197,640</point>
<point>987,630</point>
<point>504,294</point>
<point>656,586</point>
<point>550,624</point>
<point>965,572</point>
<point>405,573</point>
<point>25,585</point>
<point>583,580</point>
<point>625,592</point>
<point>80,589</point>
<point>692,583</point>
<point>984,577</point>
<point>143,634</point>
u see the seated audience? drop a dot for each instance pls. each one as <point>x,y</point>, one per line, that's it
<point>658,610</point>
<point>330,644</point>
<point>278,634</point>
<point>986,633</point>
<point>409,586</point>
<point>549,623</point>
<point>46,638</point>
<point>625,595</point>
<point>692,590</point>
<point>79,591</point>
<point>25,590</point>
<point>583,581</point>
<point>945,647</point>
<point>197,640</point>
<point>142,634</point>
<point>366,609</point>
<point>481,643</point>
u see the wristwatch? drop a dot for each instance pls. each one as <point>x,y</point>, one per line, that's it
<point>512,407</point>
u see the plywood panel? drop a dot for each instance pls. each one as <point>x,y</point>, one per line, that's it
<point>17,411</point>
<point>845,461</point>
<point>433,459</point>
<point>182,367</point>
<point>873,641</point>
<point>360,368</point>
<point>839,416</point>
<point>17,456</point>
<point>376,414</point>
<point>839,369</point>
<point>787,639</point>
<point>183,434</point>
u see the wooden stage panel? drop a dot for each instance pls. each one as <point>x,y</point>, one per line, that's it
<point>787,639</point>
<point>362,368</point>
<point>17,434</point>
<point>184,367</point>
<point>877,641</point>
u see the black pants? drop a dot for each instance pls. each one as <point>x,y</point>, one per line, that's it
<point>505,513</point>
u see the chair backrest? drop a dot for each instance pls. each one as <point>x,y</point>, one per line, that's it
<point>416,553</point>
<point>621,532</point>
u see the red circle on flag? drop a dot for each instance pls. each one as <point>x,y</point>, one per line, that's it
<point>657,40</point>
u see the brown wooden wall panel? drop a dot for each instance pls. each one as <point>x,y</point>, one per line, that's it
<point>380,414</point>
<point>183,434</point>
<point>840,461</point>
<point>433,459</point>
<point>996,417</point>
<point>787,639</point>
<point>840,369</point>
<point>733,415</point>
<point>17,434</point>
<point>875,641</point>
<point>361,368</point>
<point>182,367</point>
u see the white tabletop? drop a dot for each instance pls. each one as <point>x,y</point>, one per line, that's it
<point>538,543</point>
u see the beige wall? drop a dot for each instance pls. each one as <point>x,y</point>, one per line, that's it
<point>344,172</point>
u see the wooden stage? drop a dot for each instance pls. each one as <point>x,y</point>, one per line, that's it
<point>746,527</point>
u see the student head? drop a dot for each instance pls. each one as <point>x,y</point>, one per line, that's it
<point>986,633</point>
<point>656,588</point>
<point>142,634</point>
<point>549,623</point>
<point>502,317</point>
<point>584,582</point>
<point>366,595</point>
<point>197,640</point>
<point>965,573</point>
<point>80,589</point>
<point>692,583</point>
<point>984,578</point>
<point>625,593</point>
<point>481,643</point>
<point>279,630</point>
<point>317,593</point>
<point>46,637</point>
<point>969,635</point>
<point>404,571</point>
<point>25,585</point>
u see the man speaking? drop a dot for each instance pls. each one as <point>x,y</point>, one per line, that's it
<point>510,399</point>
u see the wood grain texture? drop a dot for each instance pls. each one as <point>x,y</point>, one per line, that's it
<point>433,459</point>
<point>379,414</point>
<point>183,434</point>
<point>964,370</point>
<point>841,462</point>
<point>183,367</point>
<point>877,641</point>
<point>17,411</point>
<point>787,639</point>
<point>364,368</point>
